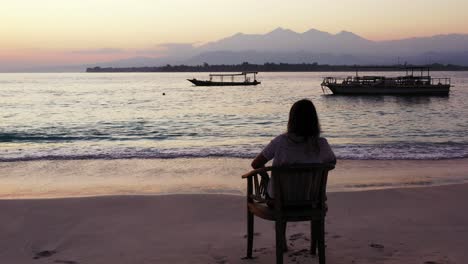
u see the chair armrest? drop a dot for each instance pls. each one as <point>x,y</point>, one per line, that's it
<point>256,171</point>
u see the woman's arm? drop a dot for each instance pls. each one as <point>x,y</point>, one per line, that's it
<point>326,153</point>
<point>259,161</point>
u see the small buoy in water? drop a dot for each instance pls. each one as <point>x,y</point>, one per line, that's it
<point>164,93</point>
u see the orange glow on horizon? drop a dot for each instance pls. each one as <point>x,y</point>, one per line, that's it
<point>48,31</point>
<point>51,57</point>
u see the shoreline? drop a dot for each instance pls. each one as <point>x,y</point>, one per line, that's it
<point>198,157</point>
<point>376,226</point>
<point>88,178</point>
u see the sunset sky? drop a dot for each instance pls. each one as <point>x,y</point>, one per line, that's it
<point>49,32</point>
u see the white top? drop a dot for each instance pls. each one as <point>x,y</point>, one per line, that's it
<point>290,149</point>
<point>287,149</point>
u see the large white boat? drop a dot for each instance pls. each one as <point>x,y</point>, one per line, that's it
<point>410,84</point>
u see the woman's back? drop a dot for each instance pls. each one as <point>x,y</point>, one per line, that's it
<point>288,149</point>
<point>300,144</point>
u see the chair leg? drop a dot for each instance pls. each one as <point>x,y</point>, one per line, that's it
<point>279,241</point>
<point>285,241</point>
<point>321,241</point>
<point>250,233</point>
<point>313,237</point>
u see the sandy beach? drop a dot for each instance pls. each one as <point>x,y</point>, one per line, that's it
<point>401,225</point>
<point>412,225</point>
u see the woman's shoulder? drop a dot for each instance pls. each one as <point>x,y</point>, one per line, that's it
<point>280,137</point>
<point>322,141</point>
<point>286,139</point>
<point>270,150</point>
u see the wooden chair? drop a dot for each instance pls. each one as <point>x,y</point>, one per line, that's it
<point>299,195</point>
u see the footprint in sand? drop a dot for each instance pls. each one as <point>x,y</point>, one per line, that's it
<point>44,254</point>
<point>375,245</point>
<point>260,250</point>
<point>255,234</point>
<point>296,236</point>
<point>65,261</point>
<point>220,259</point>
<point>302,252</point>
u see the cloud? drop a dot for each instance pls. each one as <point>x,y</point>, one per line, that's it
<point>155,51</point>
<point>178,49</point>
<point>117,53</point>
<point>99,51</point>
<point>164,49</point>
<point>182,46</point>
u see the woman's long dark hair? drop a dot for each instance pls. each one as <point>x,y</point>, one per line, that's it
<point>303,120</point>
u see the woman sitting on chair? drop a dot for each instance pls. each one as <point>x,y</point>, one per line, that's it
<point>300,144</point>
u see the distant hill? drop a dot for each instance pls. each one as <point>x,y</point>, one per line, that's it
<point>284,45</point>
<point>273,67</point>
<point>344,42</point>
<point>312,46</point>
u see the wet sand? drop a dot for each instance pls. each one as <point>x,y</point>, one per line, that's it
<point>411,225</point>
<point>78,178</point>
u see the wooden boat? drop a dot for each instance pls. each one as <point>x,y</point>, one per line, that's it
<point>230,82</point>
<point>409,84</point>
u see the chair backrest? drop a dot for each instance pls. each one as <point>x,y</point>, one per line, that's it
<point>300,185</point>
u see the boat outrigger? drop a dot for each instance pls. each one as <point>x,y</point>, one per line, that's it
<point>230,82</point>
<point>421,84</point>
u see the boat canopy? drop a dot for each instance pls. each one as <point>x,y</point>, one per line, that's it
<point>410,70</point>
<point>422,70</point>
<point>232,74</point>
<point>246,79</point>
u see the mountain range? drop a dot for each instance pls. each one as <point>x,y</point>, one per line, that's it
<point>287,46</point>
<point>284,45</point>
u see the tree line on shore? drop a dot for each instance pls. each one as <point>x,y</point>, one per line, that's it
<point>275,67</point>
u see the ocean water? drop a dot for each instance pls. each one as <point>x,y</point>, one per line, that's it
<point>162,115</point>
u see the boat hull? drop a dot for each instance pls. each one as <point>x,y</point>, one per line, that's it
<point>389,90</point>
<point>211,83</point>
